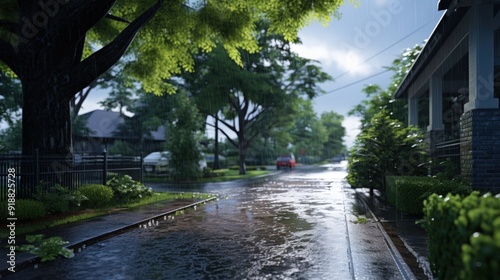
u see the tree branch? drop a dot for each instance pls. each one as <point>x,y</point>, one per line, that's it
<point>85,14</point>
<point>232,127</point>
<point>110,16</point>
<point>99,62</point>
<point>223,132</point>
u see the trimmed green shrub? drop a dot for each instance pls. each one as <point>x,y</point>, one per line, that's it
<point>25,209</point>
<point>407,193</point>
<point>97,195</point>
<point>463,236</point>
<point>125,189</point>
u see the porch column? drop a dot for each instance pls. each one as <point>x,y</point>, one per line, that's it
<point>481,59</point>
<point>435,104</point>
<point>480,123</point>
<point>412,111</point>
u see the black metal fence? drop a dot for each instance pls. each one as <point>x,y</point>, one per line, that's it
<point>24,173</point>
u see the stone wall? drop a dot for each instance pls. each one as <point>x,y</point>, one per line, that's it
<point>480,148</point>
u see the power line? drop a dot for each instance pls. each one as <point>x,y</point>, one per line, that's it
<point>385,49</point>
<point>359,81</point>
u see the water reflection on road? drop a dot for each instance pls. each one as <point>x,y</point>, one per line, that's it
<point>288,226</point>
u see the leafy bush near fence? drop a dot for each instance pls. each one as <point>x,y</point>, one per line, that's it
<point>97,195</point>
<point>407,193</point>
<point>58,199</point>
<point>463,236</point>
<point>126,189</point>
<point>24,209</point>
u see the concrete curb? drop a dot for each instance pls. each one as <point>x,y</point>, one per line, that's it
<point>89,241</point>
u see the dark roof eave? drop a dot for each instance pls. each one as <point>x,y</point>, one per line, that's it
<point>439,35</point>
<point>443,4</point>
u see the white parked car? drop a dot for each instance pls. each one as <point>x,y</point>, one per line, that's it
<point>156,162</point>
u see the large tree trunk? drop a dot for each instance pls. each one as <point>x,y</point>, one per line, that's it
<point>242,158</point>
<point>46,122</point>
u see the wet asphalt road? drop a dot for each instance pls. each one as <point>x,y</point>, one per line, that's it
<point>300,224</point>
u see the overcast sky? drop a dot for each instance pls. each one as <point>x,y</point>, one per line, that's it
<point>360,44</point>
<point>355,48</point>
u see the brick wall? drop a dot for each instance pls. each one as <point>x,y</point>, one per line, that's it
<point>480,148</point>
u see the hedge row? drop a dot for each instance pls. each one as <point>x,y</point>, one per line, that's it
<point>407,193</point>
<point>463,236</point>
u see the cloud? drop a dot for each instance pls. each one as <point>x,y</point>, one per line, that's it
<point>345,60</point>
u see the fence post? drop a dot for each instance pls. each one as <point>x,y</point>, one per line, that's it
<point>105,167</point>
<point>36,174</point>
<point>142,167</point>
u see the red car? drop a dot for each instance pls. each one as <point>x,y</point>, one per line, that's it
<point>286,161</point>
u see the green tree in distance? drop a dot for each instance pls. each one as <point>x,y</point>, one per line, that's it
<point>58,47</point>
<point>10,98</point>
<point>121,95</point>
<point>252,99</point>
<point>333,146</point>
<point>308,133</point>
<point>184,137</point>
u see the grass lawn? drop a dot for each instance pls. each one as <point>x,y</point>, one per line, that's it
<point>25,227</point>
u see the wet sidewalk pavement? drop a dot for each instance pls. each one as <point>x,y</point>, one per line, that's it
<point>407,235</point>
<point>87,232</point>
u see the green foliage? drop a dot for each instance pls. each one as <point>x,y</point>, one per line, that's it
<point>209,173</point>
<point>98,195</point>
<point>125,189</point>
<point>308,132</point>
<point>407,193</point>
<point>260,95</point>
<point>183,139</point>
<point>463,237</point>
<point>58,199</point>
<point>10,138</point>
<point>386,147</point>
<point>334,145</point>
<point>25,209</point>
<point>122,148</point>
<point>46,248</point>
<point>10,100</point>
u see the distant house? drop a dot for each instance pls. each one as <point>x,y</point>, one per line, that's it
<point>457,76</point>
<point>106,127</point>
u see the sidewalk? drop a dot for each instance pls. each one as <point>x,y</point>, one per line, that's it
<point>409,237</point>
<point>90,231</point>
